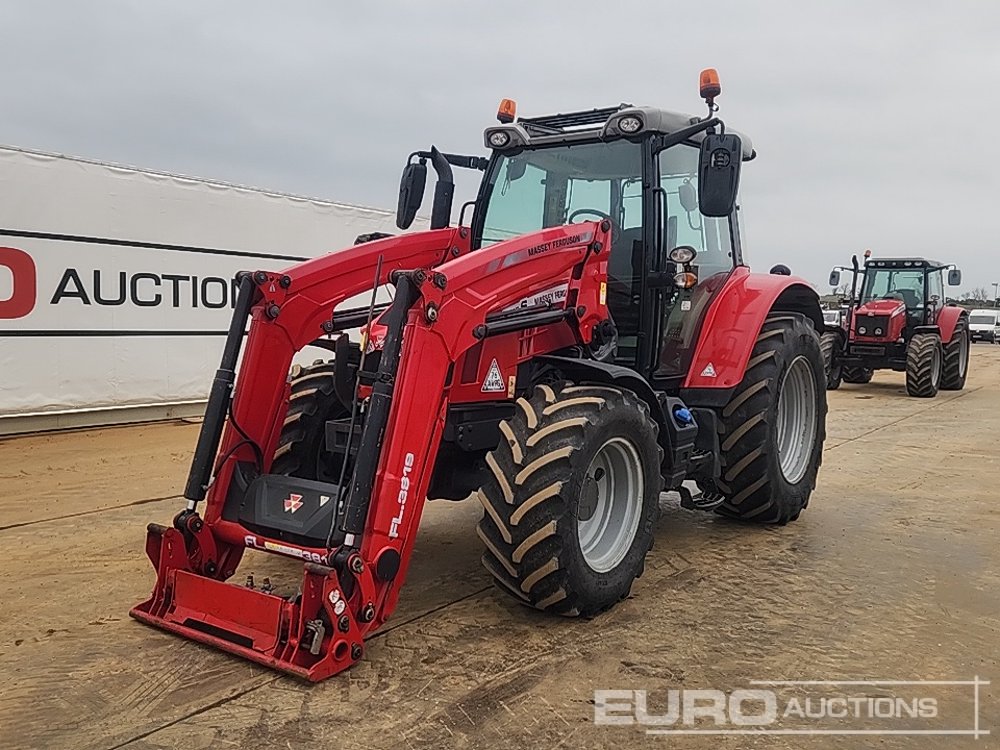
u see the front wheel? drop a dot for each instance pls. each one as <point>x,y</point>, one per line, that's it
<point>570,498</point>
<point>774,425</point>
<point>923,365</point>
<point>859,375</point>
<point>830,345</point>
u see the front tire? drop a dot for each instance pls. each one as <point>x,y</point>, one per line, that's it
<point>571,497</point>
<point>830,345</point>
<point>858,375</point>
<point>923,365</point>
<point>774,425</point>
<point>312,402</point>
<point>956,359</point>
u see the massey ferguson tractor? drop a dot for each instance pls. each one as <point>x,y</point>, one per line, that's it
<point>899,322</point>
<point>589,338</point>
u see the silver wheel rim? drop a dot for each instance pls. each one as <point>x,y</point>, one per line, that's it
<point>963,354</point>
<point>796,423</point>
<point>936,366</point>
<point>606,535</point>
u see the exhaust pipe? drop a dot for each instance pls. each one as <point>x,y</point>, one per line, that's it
<point>444,190</point>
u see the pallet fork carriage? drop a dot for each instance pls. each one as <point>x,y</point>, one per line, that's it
<point>563,370</point>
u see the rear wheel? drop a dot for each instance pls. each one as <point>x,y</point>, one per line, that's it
<point>923,365</point>
<point>773,427</point>
<point>571,497</point>
<point>301,450</point>
<point>829,345</point>
<point>859,375</point>
<point>956,359</point>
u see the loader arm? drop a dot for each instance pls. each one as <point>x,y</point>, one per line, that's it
<point>438,313</point>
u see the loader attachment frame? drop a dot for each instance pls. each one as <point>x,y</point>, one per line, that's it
<point>446,302</point>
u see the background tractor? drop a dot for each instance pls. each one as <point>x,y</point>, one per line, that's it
<point>591,337</point>
<point>899,321</point>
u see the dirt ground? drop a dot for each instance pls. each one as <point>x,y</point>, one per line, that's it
<point>891,574</point>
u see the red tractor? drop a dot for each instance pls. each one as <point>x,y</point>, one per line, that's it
<point>588,340</point>
<point>899,322</point>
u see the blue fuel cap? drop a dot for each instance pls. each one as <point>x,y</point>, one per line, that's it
<point>683,415</point>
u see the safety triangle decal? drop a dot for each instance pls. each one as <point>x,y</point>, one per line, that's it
<point>494,380</point>
<point>709,371</point>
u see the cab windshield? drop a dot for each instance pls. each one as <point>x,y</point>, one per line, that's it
<point>554,186</point>
<point>906,284</point>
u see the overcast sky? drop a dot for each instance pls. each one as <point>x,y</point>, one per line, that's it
<point>874,122</point>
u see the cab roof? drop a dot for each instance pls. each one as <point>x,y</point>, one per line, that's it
<point>585,124</point>
<point>913,262</point>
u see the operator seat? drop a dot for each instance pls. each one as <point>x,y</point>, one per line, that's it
<point>910,299</point>
<point>624,272</point>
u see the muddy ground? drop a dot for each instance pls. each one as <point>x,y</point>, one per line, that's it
<point>891,574</point>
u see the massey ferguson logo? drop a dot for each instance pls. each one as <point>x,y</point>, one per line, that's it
<point>293,502</point>
<point>404,488</point>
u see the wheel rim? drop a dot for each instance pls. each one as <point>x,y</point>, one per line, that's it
<point>936,366</point>
<point>615,485</point>
<point>963,354</point>
<point>796,423</point>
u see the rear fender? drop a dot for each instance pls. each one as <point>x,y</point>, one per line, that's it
<point>735,318</point>
<point>947,320</point>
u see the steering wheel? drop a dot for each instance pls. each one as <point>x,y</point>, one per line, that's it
<point>614,224</point>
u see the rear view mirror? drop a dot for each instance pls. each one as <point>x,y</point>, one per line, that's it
<point>954,277</point>
<point>411,193</point>
<point>688,196</point>
<point>834,278</point>
<point>719,173</point>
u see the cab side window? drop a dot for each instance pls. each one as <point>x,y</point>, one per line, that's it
<point>685,225</point>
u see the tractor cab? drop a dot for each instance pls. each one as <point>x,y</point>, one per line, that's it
<point>665,181</point>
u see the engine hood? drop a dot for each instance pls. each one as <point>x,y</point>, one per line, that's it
<point>882,307</point>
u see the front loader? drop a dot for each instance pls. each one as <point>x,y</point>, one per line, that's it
<point>589,339</point>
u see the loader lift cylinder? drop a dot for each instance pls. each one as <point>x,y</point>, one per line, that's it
<point>369,452</point>
<point>219,398</point>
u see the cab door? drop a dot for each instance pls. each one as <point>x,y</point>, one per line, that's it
<point>715,240</point>
<point>935,295</point>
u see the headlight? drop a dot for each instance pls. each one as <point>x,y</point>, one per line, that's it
<point>862,330</point>
<point>630,124</point>
<point>685,280</point>
<point>878,331</point>
<point>682,254</point>
<point>499,138</point>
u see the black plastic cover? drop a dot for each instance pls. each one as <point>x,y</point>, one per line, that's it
<point>289,508</point>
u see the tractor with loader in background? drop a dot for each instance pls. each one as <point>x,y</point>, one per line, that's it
<point>590,338</point>
<point>899,321</point>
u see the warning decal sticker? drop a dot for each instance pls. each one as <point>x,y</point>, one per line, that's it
<point>493,382</point>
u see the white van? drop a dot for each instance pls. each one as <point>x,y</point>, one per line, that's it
<point>984,325</point>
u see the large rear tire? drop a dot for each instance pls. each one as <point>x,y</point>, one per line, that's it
<point>830,346</point>
<point>571,497</point>
<point>923,365</point>
<point>301,450</point>
<point>858,375</point>
<point>773,428</point>
<point>956,359</point>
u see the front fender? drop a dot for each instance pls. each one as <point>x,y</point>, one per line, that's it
<point>947,320</point>
<point>735,318</point>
